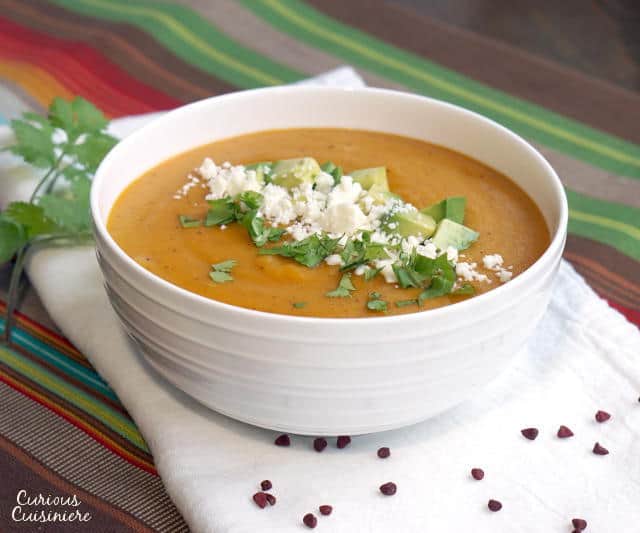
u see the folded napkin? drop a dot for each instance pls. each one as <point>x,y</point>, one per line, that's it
<point>584,356</point>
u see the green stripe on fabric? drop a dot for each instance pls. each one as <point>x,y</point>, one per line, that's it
<point>190,37</point>
<point>48,353</point>
<point>613,224</point>
<point>110,418</point>
<point>569,136</point>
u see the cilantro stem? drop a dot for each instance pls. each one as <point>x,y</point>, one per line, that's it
<point>16,276</point>
<point>12,297</point>
<point>44,178</point>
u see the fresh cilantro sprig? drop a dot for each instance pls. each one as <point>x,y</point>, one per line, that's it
<point>68,145</point>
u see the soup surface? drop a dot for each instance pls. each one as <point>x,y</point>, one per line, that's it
<point>144,222</point>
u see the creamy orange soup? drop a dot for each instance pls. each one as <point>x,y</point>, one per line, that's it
<point>144,221</point>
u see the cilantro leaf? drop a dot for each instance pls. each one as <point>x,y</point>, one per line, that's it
<point>220,277</point>
<point>93,149</point>
<point>405,303</point>
<point>31,217</point>
<point>377,305</point>
<point>88,118</point>
<point>220,272</point>
<point>34,143</point>
<point>222,211</point>
<point>224,266</point>
<point>466,289</point>
<point>12,238</point>
<point>259,233</point>
<point>344,288</point>
<point>252,199</point>
<point>371,273</point>
<point>299,305</point>
<point>189,222</point>
<point>69,209</point>
<point>309,252</point>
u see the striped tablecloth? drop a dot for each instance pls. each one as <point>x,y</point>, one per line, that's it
<point>62,430</point>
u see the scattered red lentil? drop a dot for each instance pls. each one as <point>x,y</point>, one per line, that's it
<point>477,473</point>
<point>310,520</point>
<point>283,440</point>
<point>494,505</point>
<point>530,433</point>
<point>271,499</point>
<point>325,510</point>
<point>384,452</point>
<point>600,450</point>
<point>266,484</point>
<point>319,444</point>
<point>388,489</point>
<point>261,499</point>
<point>343,441</point>
<point>602,416</point>
<point>564,432</point>
<point>579,524</point>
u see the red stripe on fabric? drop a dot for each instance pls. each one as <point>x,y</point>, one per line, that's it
<point>86,429</point>
<point>632,315</point>
<point>83,70</point>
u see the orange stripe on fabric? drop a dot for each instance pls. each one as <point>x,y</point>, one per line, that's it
<point>99,437</point>
<point>38,83</point>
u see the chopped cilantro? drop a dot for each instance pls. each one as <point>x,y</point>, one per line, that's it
<point>222,211</point>
<point>375,295</point>
<point>377,305</point>
<point>331,168</point>
<point>189,222</point>
<point>299,305</point>
<point>405,303</point>
<point>259,233</point>
<point>344,288</point>
<point>310,251</point>
<point>466,289</point>
<point>224,266</point>
<point>220,277</point>
<point>371,273</point>
<point>220,272</point>
<point>252,199</point>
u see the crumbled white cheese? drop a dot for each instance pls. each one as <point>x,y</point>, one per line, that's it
<point>333,260</point>
<point>492,261</point>
<point>468,272</point>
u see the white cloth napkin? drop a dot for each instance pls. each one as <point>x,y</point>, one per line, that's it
<point>584,356</point>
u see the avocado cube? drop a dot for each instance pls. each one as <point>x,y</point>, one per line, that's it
<point>368,177</point>
<point>412,223</point>
<point>262,169</point>
<point>450,233</point>
<point>291,173</point>
<point>451,208</point>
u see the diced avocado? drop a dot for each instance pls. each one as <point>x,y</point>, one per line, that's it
<point>380,195</point>
<point>263,170</point>
<point>451,208</point>
<point>292,173</point>
<point>450,233</point>
<point>368,177</point>
<point>412,223</point>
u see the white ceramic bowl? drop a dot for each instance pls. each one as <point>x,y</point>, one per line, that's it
<point>322,376</point>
